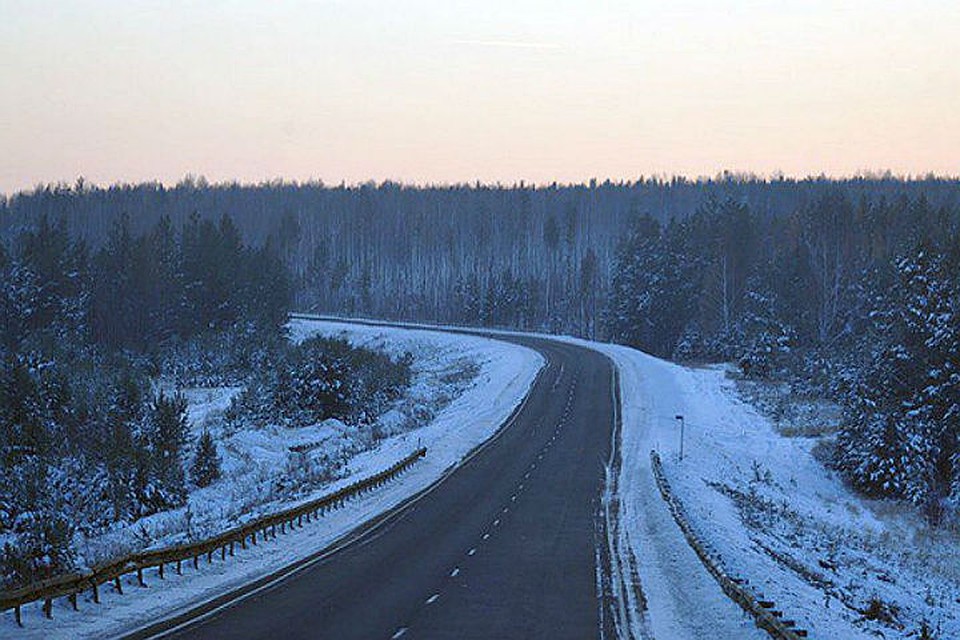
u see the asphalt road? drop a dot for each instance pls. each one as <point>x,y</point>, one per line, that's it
<point>505,547</point>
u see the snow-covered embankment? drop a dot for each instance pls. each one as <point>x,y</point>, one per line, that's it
<point>775,514</point>
<point>502,376</point>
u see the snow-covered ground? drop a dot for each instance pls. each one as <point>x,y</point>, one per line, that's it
<point>683,600</point>
<point>776,515</point>
<point>464,388</point>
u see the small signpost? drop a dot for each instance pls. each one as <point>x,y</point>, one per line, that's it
<point>680,419</point>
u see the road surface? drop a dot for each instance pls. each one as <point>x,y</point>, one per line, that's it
<point>505,547</point>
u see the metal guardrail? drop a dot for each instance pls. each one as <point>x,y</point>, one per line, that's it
<point>764,611</point>
<point>72,585</point>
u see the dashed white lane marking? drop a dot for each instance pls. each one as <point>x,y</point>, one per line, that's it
<point>496,522</point>
<point>399,633</point>
<point>455,572</point>
<point>472,551</point>
<point>486,535</point>
<point>513,498</point>
<point>433,598</point>
<point>505,509</point>
<point>521,484</point>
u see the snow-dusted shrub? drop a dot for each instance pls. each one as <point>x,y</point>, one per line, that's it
<point>320,379</point>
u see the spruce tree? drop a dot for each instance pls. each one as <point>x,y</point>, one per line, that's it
<point>167,438</point>
<point>206,461</point>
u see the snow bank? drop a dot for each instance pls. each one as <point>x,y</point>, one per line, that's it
<point>775,514</point>
<point>683,600</point>
<point>504,374</point>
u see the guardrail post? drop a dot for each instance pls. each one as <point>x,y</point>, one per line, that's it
<point>73,601</point>
<point>17,616</point>
<point>96,593</point>
<point>231,548</point>
<point>117,585</point>
<point>140,577</point>
<point>196,562</point>
<point>160,567</point>
<point>179,570</point>
<point>48,608</point>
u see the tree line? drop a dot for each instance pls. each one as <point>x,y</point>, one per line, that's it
<point>855,300</point>
<point>449,253</point>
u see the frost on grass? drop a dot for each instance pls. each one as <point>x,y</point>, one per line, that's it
<point>842,565</point>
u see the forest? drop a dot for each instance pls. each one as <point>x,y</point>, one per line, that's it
<point>855,301</point>
<point>843,289</point>
<point>95,345</point>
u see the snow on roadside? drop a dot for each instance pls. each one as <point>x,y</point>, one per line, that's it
<point>793,513</point>
<point>827,556</point>
<point>683,600</point>
<point>504,375</point>
<point>774,513</point>
<point>870,551</point>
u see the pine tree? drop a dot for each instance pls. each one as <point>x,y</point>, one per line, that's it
<point>206,462</point>
<point>901,433</point>
<point>169,431</point>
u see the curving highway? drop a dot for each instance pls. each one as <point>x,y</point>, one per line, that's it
<point>507,546</point>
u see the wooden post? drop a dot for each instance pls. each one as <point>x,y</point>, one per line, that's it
<point>209,556</point>
<point>96,593</point>
<point>48,608</point>
<point>16,614</point>
<point>140,577</point>
<point>160,568</point>
<point>243,542</point>
<point>196,560</point>
<point>117,585</point>
<point>223,552</point>
<point>179,570</point>
<point>231,548</point>
<point>73,601</point>
<point>253,537</point>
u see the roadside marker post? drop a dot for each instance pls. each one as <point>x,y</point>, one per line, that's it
<point>680,419</point>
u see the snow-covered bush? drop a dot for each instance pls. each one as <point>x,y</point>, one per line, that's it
<point>320,379</point>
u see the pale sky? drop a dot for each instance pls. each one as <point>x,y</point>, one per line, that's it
<point>495,90</point>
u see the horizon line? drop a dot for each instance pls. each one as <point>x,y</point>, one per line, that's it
<point>82,184</point>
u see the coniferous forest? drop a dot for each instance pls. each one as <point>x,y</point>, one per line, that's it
<point>843,289</point>
<point>91,336</point>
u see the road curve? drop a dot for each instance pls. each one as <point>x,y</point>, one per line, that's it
<point>505,547</point>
